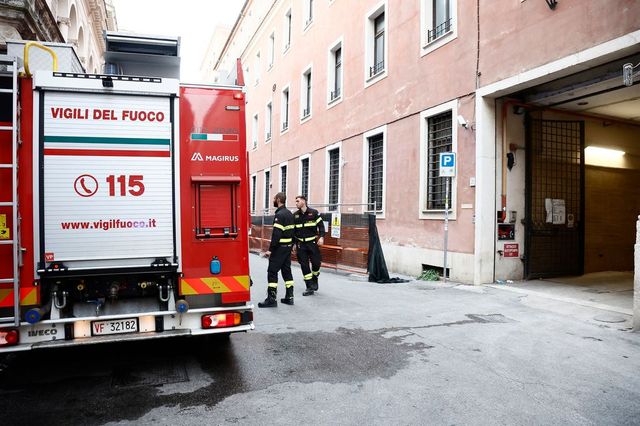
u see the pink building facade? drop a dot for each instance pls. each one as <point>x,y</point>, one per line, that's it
<point>351,102</point>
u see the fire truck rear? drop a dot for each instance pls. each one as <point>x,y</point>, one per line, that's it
<point>123,199</point>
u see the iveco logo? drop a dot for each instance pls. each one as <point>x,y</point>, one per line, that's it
<point>49,332</point>
<point>197,157</point>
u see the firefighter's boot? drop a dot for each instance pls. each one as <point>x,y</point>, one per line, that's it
<point>309,291</point>
<point>270,301</point>
<point>314,283</point>
<point>288,297</point>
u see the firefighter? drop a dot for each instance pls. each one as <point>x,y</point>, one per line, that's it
<point>280,254</point>
<point>309,234</point>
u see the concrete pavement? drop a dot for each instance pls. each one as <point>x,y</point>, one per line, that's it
<point>424,353</point>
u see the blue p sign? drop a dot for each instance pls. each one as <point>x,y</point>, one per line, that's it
<point>447,164</point>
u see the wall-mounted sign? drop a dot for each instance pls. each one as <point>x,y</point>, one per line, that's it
<point>511,250</point>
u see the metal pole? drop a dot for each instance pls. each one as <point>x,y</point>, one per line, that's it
<point>446,226</point>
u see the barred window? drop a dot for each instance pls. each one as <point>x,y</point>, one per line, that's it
<point>376,172</point>
<point>304,177</point>
<point>253,193</point>
<point>439,140</point>
<point>267,178</point>
<point>283,179</point>
<point>334,178</point>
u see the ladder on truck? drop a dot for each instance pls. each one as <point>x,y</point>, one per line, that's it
<point>9,70</point>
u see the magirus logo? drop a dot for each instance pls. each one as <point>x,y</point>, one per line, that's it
<point>197,157</point>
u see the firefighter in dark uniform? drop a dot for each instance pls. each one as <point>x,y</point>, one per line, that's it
<point>309,234</point>
<point>280,254</point>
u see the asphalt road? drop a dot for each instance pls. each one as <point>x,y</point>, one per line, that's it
<point>354,353</point>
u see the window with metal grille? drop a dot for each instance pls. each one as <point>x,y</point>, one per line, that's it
<point>439,140</point>
<point>375,184</point>
<point>441,19</point>
<point>253,193</point>
<point>334,178</point>
<point>378,46</point>
<point>267,178</point>
<point>304,177</point>
<point>283,179</point>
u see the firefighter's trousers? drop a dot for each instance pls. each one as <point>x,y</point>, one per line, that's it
<point>280,260</point>
<point>309,251</point>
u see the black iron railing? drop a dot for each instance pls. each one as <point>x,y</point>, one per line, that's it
<point>440,30</point>
<point>376,69</point>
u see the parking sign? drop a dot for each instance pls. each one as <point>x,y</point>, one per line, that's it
<point>447,164</point>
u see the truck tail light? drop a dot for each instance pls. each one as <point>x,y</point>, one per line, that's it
<point>227,319</point>
<point>9,337</point>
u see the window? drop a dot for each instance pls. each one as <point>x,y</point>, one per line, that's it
<point>257,70</point>
<point>334,74</point>
<point>305,102</point>
<point>333,194</point>
<point>287,30</point>
<point>374,169</point>
<point>304,176</point>
<point>285,109</point>
<point>254,132</point>
<point>283,178</point>
<point>272,46</point>
<point>376,44</point>
<point>438,20</point>
<point>438,140</point>
<point>254,179</point>
<point>267,122</point>
<point>437,134</point>
<point>267,184</point>
<point>308,13</point>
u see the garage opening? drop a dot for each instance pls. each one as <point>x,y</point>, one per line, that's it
<point>580,138</point>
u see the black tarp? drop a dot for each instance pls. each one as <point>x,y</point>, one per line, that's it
<point>377,267</point>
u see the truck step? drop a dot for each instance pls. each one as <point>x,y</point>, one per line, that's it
<point>6,280</point>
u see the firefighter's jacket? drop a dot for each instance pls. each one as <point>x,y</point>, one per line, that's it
<point>282,228</point>
<point>309,224</point>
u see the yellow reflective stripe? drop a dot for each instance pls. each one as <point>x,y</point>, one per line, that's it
<point>272,285</point>
<point>277,225</point>
<point>318,220</point>
<point>285,240</point>
<point>299,225</point>
<point>288,284</point>
<point>309,224</point>
<point>286,228</point>
<point>308,239</point>
<point>308,277</point>
<point>315,272</point>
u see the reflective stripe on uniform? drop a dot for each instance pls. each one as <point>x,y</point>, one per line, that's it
<point>318,220</point>
<point>284,228</point>
<point>285,240</point>
<point>310,224</point>
<point>315,272</point>
<point>308,277</point>
<point>288,284</point>
<point>272,285</point>
<point>306,239</point>
<point>299,225</point>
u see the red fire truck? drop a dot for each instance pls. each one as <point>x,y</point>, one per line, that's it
<point>123,200</point>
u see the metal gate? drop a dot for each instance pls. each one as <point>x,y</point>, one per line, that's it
<point>554,237</point>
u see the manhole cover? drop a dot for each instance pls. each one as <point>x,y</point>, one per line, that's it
<point>610,318</point>
<point>152,373</point>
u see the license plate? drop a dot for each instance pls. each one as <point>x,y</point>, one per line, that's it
<point>119,326</point>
